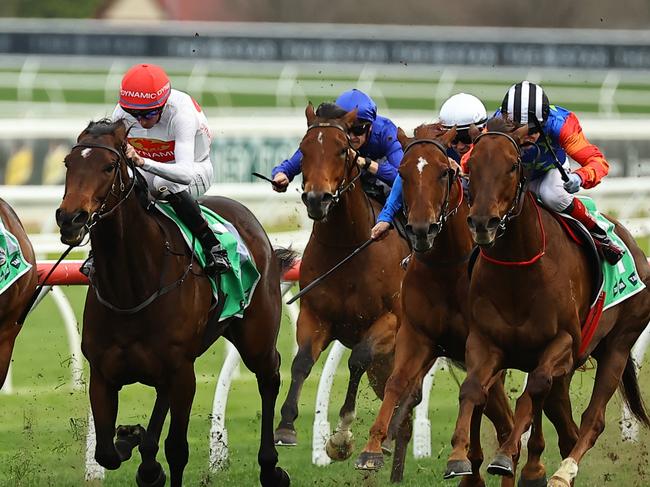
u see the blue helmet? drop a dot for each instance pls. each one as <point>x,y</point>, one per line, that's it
<point>349,100</point>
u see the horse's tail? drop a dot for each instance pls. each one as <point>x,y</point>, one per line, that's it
<point>286,257</point>
<point>629,388</point>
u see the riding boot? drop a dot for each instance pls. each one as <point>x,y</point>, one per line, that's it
<point>611,252</point>
<point>187,209</point>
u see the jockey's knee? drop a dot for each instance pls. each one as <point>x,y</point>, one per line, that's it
<point>555,199</point>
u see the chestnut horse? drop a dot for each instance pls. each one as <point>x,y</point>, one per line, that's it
<point>358,304</point>
<point>17,297</point>
<point>529,295</point>
<point>148,315</point>
<point>434,291</point>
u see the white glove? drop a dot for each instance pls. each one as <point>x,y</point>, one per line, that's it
<point>573,184</point>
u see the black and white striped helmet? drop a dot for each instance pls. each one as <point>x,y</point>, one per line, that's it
<point>523,98</point>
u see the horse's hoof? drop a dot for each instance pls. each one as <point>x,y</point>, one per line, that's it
<point>558,482</point>
<point>339,452</point>
<point>285,437</point>
<point>369,461</point>
<point>540,482</point>
<point>110,461</point>
<point>280,478</point>
<point>126,439</point>
<point>387,447</point>
<point>501,465</point>
<point>458,468</point>
<point>158,482</point>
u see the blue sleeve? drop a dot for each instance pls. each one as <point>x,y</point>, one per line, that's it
<point>393,203</point>
<point>387,171</point>
<point>291,167</point>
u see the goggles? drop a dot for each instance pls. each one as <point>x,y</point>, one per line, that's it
<point>360,129</point>
<point>145,114</point>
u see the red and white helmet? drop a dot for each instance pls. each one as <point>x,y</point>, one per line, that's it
<point>144,87</point>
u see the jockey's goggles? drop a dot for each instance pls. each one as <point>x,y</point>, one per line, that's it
<point>145,114</point>
<point>360,128</point>
<point>462,136</point>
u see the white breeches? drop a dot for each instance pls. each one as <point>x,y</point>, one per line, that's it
<point>201,182</point>
<point>550,189</point>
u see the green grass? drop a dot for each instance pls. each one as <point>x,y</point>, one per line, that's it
<point>43,426</point>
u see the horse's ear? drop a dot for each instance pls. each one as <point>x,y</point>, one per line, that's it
<point>349,118</point>
<point>473,132</point>
<point>310,114</point>
<point>82,135</point>
<point>449,136</point>
<point>519,134</point>
<point>429,131</point>
<point>404,140</point>
<point>121,131</point>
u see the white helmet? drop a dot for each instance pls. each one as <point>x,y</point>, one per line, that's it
<point>463,110</point>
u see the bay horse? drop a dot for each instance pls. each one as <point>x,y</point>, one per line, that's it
<point>146,315</point>
<point>434,292</point>
<point>358,304</point>
<point>15,299</point>
<point>529,295</point>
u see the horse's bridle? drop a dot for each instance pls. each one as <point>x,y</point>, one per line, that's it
<point>100,214</point>
<point>517,202</point>
<point>444,213</point>
<point>343,186</point>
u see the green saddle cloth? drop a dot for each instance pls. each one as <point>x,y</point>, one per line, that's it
<point>238,284</point>
<point>621,280</point>
<point>12,262</point>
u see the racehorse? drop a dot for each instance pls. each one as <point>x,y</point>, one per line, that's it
<point>434,291</point>
<point>149,315</point>
<point>529,295</point>
<point>359,303</point>
<point>15,299</point>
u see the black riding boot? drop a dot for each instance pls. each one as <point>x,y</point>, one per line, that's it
<point>189,212</point>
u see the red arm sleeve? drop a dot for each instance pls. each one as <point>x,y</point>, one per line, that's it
<point>573,141</point>
<point>465,159</point>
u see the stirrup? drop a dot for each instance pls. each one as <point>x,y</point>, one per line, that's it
<point>217,261</point>
<point>611,252</point>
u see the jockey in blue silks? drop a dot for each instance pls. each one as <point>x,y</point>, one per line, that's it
<point>460,111</point>
<point>374,138</point>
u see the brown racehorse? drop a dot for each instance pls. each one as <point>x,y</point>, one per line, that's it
<point>434,291</point>
<point>145,317</point>
<point>529,296</point>
<point>358,304</point>
<point>16,298</point>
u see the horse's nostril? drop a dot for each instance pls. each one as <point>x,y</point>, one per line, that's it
<point>81,218</point>
<point>434,228</point>
<point>470,222</point>
<point>327,197</point>
<point>493,223</point>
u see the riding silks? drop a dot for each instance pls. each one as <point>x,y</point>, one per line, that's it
<point>238,284</point>
<point>621,280</point>
<point>12,263</point>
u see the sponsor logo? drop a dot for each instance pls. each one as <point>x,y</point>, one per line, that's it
<point>15,262</point>
<point>154,149</point>
<point>145,95</point>
<point>633,278</point>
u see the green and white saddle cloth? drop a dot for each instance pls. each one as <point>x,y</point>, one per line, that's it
<point>12,263</point>
<point>238,284</point>
<point>621,280</point>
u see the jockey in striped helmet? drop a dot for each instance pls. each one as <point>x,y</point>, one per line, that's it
<point>564,134</point>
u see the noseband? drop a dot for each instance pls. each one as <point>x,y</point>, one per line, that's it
<point>343,186</point>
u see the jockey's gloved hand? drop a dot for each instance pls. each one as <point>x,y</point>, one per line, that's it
<point>573,184</point>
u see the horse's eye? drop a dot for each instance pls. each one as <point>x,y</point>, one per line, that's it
<point>110,168</point>
<point>514,167</point>
<point>343,152</point>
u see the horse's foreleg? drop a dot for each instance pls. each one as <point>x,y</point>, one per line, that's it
<point>414,355</point>
<point>103,401</point>
<point>182,387</point>
<point>498,411</point>
<point>150,472</point>
<point>312,336</point>
<point>483,361</point>
<point>7,341</point>
<point>555,361</point>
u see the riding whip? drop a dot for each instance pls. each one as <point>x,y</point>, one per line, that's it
<point>266,178</point>
<point>547,143</point>
<point>320,279</point>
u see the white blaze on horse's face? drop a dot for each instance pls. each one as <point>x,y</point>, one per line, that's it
<point>320,138</point>
<point>86,152</point>
<point>421,163</point>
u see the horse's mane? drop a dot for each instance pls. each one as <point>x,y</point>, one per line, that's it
<point>501,123</point>
<point>105,126</point>
<point>330,111</point>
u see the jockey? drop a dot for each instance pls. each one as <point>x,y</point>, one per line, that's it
<point>373,137</point>
<point>461,111</point>
<point>169,142</point>
<point>564,133</point>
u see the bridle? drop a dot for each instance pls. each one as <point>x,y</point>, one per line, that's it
<point>121,196</point>
<point>445,213</point>
<point>343,186</point>
<point>517,202</point>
